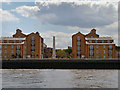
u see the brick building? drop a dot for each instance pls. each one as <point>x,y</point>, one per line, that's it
<point>92,46</point>
<point>22,46</point>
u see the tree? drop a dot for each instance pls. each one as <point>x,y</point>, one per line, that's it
<point>69,50</point>
<point>61,54</point>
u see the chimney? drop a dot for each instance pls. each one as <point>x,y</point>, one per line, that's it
<point>37,33</point>
<point>93,31</point>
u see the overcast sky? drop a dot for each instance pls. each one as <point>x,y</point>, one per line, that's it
<point>60,19</point>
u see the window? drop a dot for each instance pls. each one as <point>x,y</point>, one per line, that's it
<point>7,41</point>
<point>18,52</point>
<point>97,51</point>
<point>104,46</point>
<point>33,42</point>
<point>110,46</point>
<point>14,41</point>
<point>97,56</point>
<point>1,41</point>
<point>108,41</point>
<point>18,47</point>
<point>12,46</point>
<point>78,52</point>
<point>12,51</point>
<point>91,46</point>
<point>91,52</point>
<point>0,47</point>
<point>33,38</point>
<point>78,43</point>
<point>104,57</point>
<point>102,41</point>
<point>91,36</point>
<point>103,51</point>
<point>78,38</point>
<point>5,46</point>
<point>96,41</point>
<point>90,41</point>
<point>97,46</point>
<point>32,48</point>
<point>78,48</point>
<point>20,41</point>
<point>5,51</point>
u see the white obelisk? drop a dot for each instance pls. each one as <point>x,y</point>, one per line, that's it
<point>54,52</point>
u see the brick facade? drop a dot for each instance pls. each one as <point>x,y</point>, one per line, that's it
<point>22,46</point>
<point>92,46</point>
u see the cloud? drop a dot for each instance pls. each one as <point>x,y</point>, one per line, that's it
<point>27,11</point>
<point>84,15</point>
<point>110,30</point>
<point>62,39</point>
<point>6,16</point>
<point>78,28</point>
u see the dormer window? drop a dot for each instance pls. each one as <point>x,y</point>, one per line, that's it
<point>91,36</point>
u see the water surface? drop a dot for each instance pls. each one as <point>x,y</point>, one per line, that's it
<point>58,78</point>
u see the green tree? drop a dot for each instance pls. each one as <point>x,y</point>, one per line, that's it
<point>69,51</point>
<point>61,54</point>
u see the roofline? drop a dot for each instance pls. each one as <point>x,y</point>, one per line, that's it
<point>11,38</point>
<point>12,43</point>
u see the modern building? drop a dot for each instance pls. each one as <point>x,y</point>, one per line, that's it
<point>22,46</point>
<point>92,46</point>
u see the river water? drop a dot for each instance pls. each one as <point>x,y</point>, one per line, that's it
<point>58,78</point>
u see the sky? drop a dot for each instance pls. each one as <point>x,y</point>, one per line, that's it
<point>60,19</point>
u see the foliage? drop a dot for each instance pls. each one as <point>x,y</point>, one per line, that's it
<point>69,51</point>
<point>61,54</point>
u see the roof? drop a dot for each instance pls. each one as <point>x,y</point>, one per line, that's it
<point>13,43</point>
<point>11,38</point>
<point>100,38</point>
<point>78,33</point>
<point>99,43</point>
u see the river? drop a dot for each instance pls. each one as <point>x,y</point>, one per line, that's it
<point>59,78</point>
